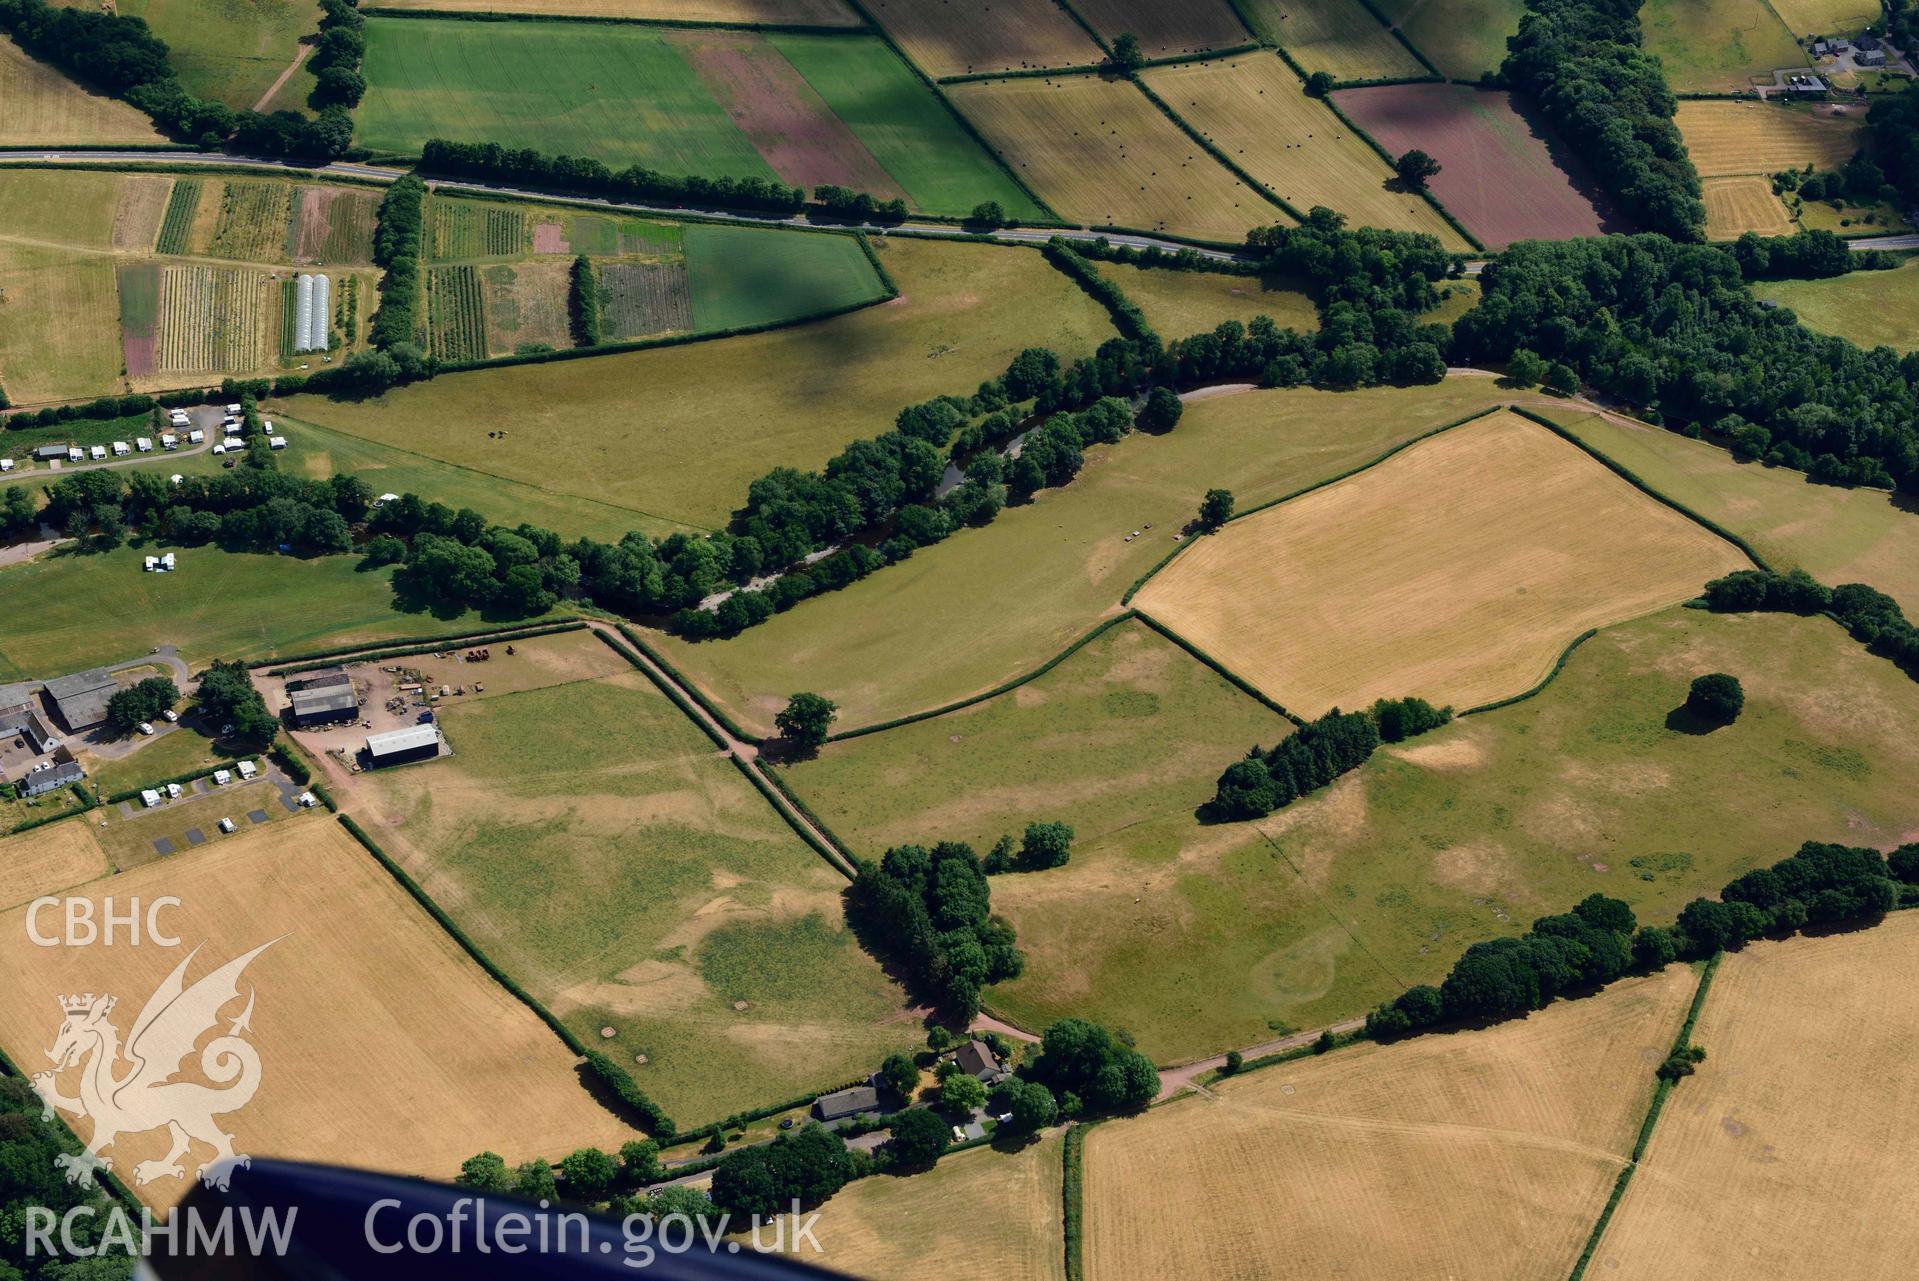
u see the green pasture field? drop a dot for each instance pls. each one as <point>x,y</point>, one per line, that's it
<point>317,452</point>
<point>230,50</point>
<point>908,130</point>
<point>66,611</point>
<point>990,604</point>
<point>1199,938</point>
<point>1462,39</point>
<point>70,208</point>
<point>743,276</point>
<point>678,433</point>
<point>1837,535</point>
<point>1179,303</point>
<point>59,324</point>
<point>168,755</point>
<point>1872,308</point>
<point>600,850</point>
<point>1128,729</point>
<point>621,93</point>
<point>1718,45</point>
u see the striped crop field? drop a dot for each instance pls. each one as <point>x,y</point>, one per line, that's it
<point>177,226</point>
<point>215,320</point>
<point>456,314</point>
<point>333,225</point>
<point>139,288</point>
<point>645,298</point>
<point>253,221</point>
<point>464,229</point>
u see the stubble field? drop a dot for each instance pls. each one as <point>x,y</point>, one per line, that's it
<point>1009,35</point>
<point>1255,109</point>
<point>48,859</point>
<point>1735,206</point>
<point>824,13</point>
<point>1485,1154</point>
<point>360,983</point>
<point>1338,37</point>
<point>45,108</point>
<point>1451,572</point>
<point>1099,152</point>
<point>1167,30</point>
<point>1729,138</point>
<point>1776,1160</point>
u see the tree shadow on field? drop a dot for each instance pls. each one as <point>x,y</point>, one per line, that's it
<point>1684,720</point>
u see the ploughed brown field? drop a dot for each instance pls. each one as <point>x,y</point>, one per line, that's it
<point>1498,172</point>
<point>1458,570</point>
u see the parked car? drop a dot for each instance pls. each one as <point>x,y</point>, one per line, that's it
<point>146,728</point>
<point>173,717</point>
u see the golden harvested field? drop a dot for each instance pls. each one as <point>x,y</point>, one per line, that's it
<point>71,208</point>
<point>1784,1158</point>
<point>1338,37</point>
<point>1178,303</point>
<point>1167,30</point>
<point>41,107</point>
<point>824,13</point>
<point>59,323</point>
<point>1099,152</point>
<point>136,218</point>
<point>1458,571</point>
<point>359,983</point>
<point>1000,1213</point>
<point>1474,1154</point>
<point>1255,110</point>
<point>1726,138</point>
<point>1735,206</point>
<point>950,39</point>
<point>47,859</point>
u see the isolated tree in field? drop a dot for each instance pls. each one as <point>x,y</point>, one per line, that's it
<point>142,702</point>
<point>1717,698</point>
<point>962,1093</point>
<point>1215,509</point>
<point>1415,168</point>
<point>806,719</point>
<point>486,1172</point>
<point>589,1175</point>
<point>1162,410</point>
<point>901,1073</point>
<point>987,214</point>
<point>1127,55</point>
<point>1046,845</point>
<point>1234,1062</point>
<point>1319,84</point>
<point>919,1139</point>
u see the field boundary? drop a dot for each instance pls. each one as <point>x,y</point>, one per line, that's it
<point>1419,55</point>
<point>1224,671</point>
<point>1348,474</point>
<point>1660,1093</point>
<point>118,1190</point>
<point>404,646</point>
<point>87,803</point>
<point>1098,68</point>
<point>1565,656</point>
<point>1425,193</point>
<point>1207,145</point>
<point>614,20</point>
<point>1004,687</point>
<point>1073,1199</point>
<point>792,819</point>
<point>1627,475</point>
<point>779,780</point>
<point>692,688</point>
<point>667,688</point>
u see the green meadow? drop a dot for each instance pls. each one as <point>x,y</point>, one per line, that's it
<point>741,276</point>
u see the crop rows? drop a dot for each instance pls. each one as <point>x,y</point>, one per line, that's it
<point>473,231</point>
<point>646,298</point>
<point>253,221</point>
<point>456,311</point>
<point>289,317</point>
<point>212,319</point>
<point>178,223</point>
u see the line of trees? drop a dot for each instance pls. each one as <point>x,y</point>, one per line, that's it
<point>398,244</point>
<point>335,60</point>
<point>121,56</point>
<point>1319,752</point>
<point>859,206</point>
<point>1892,123</point>
<point>931,911</point>
<point>1127,317</point>
<point>247,509</point>
<point>583,302</point>
<point>1804,255</point>
<point>490,162</point>
<point>1599,940</point>
<point>1672,329</point>
<point>1581,61</point>
<point>1871,617</point>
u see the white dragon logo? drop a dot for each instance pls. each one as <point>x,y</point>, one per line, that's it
<point>145,1097</point>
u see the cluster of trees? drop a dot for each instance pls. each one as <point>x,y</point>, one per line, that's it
<point>248,509</point>
<point>1861,180</point>
<point>397,246</point>
<point>931,910</point>
<point>1041,846</point>
<point>1581,61</point>
<point>460,558</point>
<point>121,56</point>
<point>335,61</point>
<point>859,206</point>
<point>1092,1070</point>
<point>145,701</point>
<point>1873,618</point>
<point>1892,124</point>
<point>226,697</point>
<point>31,1140</point>
<point>1672,328</point>
<point>1317,754</point>
<point>490,162</point>
<point>588,1176</point>
<point>1804,255</point>
<point>19,514</point>
<point>1820,885</point>
<point>583,302</point>
<point>807,1165</point>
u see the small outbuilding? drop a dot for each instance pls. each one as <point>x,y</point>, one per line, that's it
<point>861,1100</point>
<point>50,453</point>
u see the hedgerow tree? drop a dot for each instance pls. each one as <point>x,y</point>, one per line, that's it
<point>1031,1104</point>
<point>1415,168</point>
<point>1127,55</point>
<point>1162,411</point>
<point>807,1166</point>
<point>1717,698</point>
<point>1215,509</point>
<point>1045,845</point>
<point>901,1073</point>
<point>806,719</point>
<point>589,1175</point>
<point>486,1172</point>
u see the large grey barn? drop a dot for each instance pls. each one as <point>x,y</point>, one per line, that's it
<point>81,699</point>
<point>323,698</point>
